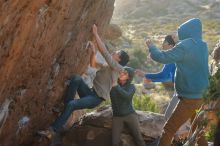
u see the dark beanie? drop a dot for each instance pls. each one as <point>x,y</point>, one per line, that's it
<point>130,71</point>
<point>124,58</point>
<point>170,40</point>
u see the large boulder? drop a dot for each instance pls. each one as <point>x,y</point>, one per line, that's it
<point>42,43</point>
<point>94,129</point>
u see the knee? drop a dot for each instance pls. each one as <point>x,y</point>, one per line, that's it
<point>70,104</point>
<point>75,78</point>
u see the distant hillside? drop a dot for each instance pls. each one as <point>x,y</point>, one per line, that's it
<point>141,19</point>
<point>163,16</point>
<point>167,9</point>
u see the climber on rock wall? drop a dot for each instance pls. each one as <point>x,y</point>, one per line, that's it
<point>106,77</point>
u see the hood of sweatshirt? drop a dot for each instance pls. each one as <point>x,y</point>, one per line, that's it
<point>190,29</point>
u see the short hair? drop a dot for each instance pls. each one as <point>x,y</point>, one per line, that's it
<point>170,40</point>
<point>124,58</point>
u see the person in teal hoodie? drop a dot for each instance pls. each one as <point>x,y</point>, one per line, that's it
<point>191,58</point>
<point>121,97</point>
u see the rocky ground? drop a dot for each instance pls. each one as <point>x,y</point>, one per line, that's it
<point>94,129</point>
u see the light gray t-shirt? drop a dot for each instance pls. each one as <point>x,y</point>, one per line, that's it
<point>107,76</point>
<point>90,73</point>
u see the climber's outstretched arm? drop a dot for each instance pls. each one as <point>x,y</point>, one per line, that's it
<point>105,53</point>
<point>93,62</point>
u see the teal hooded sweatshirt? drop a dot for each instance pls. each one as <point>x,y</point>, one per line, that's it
<point>191,58</point>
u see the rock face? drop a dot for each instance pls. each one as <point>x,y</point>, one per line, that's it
<point>42,43</point>
<point>95,129</point>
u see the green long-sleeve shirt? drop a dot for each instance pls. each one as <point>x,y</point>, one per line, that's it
<point>121,99</point>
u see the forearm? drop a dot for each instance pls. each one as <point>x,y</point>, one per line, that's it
<point>100,44</point>
<point>154,75</point>
<point>102,49</point>
<point>170,56</point>
<point>93,62</point>
<point>164,74</point>
<point>161,80</point>
<point>157,55</point>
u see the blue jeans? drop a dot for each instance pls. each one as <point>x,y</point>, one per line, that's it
<point>88,99</point>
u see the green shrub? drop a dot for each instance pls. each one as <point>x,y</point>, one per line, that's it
<point>211,133</point>
<point>213,91</point>
<point>144,103</point>
<point>140,102</point>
